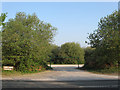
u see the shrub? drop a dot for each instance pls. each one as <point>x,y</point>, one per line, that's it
<point>28,43</point>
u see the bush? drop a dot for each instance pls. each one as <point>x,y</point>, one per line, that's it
<point>89,57</point>
<point>29,42</point>
<point>105,40</point>
<point>68,53</point>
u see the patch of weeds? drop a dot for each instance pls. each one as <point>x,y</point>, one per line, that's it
<point>10,73</point>
<point>112,70</point>
<point>17,73</point>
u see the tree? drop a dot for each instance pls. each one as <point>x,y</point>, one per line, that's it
<point>2,19</point>
<point>29,41</point>
<point>71,53</point>
<point>54,54</point>
<point>106,40</point>
<point>2,24</point>
<point>89,57</point>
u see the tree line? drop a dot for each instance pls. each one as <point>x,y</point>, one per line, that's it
<point>105,44</point>
<point>27,44</point>
<point>68,53</point>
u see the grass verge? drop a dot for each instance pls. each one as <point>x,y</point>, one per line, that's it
<point>6,73</point>
<point>110,71</point>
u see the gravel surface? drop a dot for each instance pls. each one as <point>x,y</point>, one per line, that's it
<point>62,73</point>
<point>62,76</point>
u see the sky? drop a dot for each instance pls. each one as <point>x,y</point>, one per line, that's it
<point>74,20</point>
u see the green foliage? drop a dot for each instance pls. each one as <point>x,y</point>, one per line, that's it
<point>2,24</point>
<point>2,19</point>
<point>112,70</point>
<point>106,40</point>
<point>68,53</point>
<point>54,54</point>
<point>89,57</point>
<point>10,73</point>
<point>29,42</point>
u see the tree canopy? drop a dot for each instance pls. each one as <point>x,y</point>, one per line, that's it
<point>26,41</point>
<point>2,18</point>
<point>106,40</point>
<point>68,53</point>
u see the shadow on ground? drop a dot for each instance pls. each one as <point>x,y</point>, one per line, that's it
<point>60,84</point>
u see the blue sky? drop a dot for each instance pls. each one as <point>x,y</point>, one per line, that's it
<point>73,19</point>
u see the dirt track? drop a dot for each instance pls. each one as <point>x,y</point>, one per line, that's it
<point>62,76</point>
<point>63,73</point>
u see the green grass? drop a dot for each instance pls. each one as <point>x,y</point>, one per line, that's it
<point>110,71</point>
<point>11,73</point>
<point>18,73</point>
